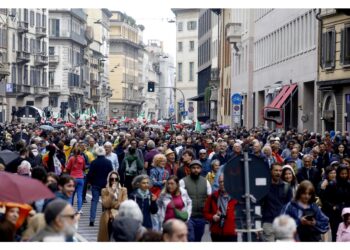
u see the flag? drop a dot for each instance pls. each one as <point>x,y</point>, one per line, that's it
<point>172,128</point>
<point>93,111</point>
<point>198,127</point>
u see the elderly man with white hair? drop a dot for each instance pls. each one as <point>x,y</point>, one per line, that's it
<point>284,228</point>
<point>111,156</point>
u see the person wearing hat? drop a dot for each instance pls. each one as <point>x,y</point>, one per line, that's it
<point>171,164</point>
<point>198,189</point>
<point>61,223</point>
<point>343,233</point>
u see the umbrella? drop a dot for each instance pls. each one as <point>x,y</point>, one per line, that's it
<point>189,122</point>
<point>7,156</point>
<point>69,124</point>
<point>60,125</point>
<point>22,189</point>
<point>46,127</point>
<point>155,126</point>
<point>205,126</point>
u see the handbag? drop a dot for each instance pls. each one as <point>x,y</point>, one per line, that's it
<point>181,215</point>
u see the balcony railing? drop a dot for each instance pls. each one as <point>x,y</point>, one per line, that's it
<point>54,89</point>
<point>41,32</point>
<point>23,56</point>
<point>41,91</point>
<point>41,60</point>
<point>76,90</point>
<point>54,59</point>
<point>19,89</point>
<point>94,82</point>
<point>23,27</point>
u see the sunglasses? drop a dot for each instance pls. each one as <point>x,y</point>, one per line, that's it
<point>114,179</point>
<point>71,216</point>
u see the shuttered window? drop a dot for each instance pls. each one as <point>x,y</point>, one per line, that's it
<point>328,49</point>
<point>345,46</point>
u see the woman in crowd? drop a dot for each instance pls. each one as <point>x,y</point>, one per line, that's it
<point>215,165</point>
<point>219,210</point>
<point>144,198</point>
<point>158,174</point>
<point>267,151</point>
<point>173,197</point>
<point>340,153</point>
<point>76,167</point>
<point>112,196</point>
<point>310,220</point>
<point>288,175</point>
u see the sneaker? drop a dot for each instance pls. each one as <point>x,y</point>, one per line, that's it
<point>91,224</point>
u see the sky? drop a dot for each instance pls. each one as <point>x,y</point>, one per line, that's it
<point>156,24</point>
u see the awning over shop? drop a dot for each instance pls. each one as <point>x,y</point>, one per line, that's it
<point>282,96</point>
<point>197,98</point>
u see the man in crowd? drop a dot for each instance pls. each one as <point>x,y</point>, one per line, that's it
<point>111,156</point>
<point>309,172</point>
<point>284,228</point>
<point>222,156</point>
<point>97,177</point>
<point>280,194</point>
<point>184,169</point>
<point>175,231</point>
<point>203,158</point>
<point>198,189</point>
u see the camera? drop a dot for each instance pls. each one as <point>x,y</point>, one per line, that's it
<point>222,220</point>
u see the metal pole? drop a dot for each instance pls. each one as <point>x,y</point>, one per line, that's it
<point>247,195</point>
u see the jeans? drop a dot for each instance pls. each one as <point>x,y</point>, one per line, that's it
<point>85,187</point>
<point>196,229</point>
<point>79,191</point>
<point>96,193</point>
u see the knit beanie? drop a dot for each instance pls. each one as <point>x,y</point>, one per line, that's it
<point>53,209</point>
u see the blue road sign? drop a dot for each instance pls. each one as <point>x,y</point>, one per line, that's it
<point>236,98</point>
<point>184,113</point>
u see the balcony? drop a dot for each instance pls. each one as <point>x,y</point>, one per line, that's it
<point>40,91</point>
<point>94,83</point>
<point>4,70</point>
<point>41,60</point>
<point>23,57</point>
<point>23,27</point>
<point>54,60</point>
<point>79,13</point>
<point>55,89</point>
<point>95,96</point>
<point>20,90</point>
<point>41,32</point>
<point>76,90</point>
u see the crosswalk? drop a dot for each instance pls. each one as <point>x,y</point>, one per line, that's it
<point>89,233</point>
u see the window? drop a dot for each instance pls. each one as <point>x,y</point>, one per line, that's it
<point>179,46</point>
<point>3,38</point>
<point>25,75</point>
<point>191,25</point>
<point>51,51</point>
<point>44,78</point>
<point>179,72</point>
<point>13,42</point>
<point>180,26</point>
<point>31,18</point>
<point>19,69</point>
<point>44,21</point>
<point>25,16</point>
<point>191,78</point>
<point>51,78</point>
<point>32,46</point>
<point>13,73</point>
<point>345,46</point>
<point>328,49</point>
<point>26,49</point>
<point>53,101</point>
<point>3,11</point>
<point>44,48</point>
<point>54,27</point>
<point>191,45</point>
<point>38,20</point>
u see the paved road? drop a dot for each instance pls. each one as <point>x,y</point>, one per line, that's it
<point>90,233</point>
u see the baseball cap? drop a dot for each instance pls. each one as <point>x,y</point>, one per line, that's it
<point>203,151</point>
<point>195,162</point>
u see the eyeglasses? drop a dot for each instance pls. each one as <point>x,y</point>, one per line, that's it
<point>114,179</point>
<point>71,216</point>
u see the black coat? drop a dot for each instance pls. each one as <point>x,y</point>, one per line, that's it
<point>98,172</point>
<point>147,207</point>
<point>313,175</point>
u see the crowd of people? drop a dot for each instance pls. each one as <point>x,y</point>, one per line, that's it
<point>157,185</point>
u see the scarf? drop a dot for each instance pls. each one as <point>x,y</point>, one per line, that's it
<point>223,202</point>
<point>131,158</point>
<point>143,194</point>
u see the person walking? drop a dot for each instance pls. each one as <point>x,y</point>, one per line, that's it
<point>219,210</point>
<point>97,177</point>
<point>198,189</point>
<point>76,167</point>
<point>173,197</point>
<point>112,196</point>
<point>311,221</point>
<point>343,233</point>
<point>111,156</point>
<point>144,199</point>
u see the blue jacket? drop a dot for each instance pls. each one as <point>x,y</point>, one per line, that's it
<point>147,207</point>
<point>296,212</point>
<point>157,176</point>
<point>206,167</point>
<point>99,170</point>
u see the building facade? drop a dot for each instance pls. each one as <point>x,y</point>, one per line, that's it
<point>124,66</point>
<point>68,59</point>
<point>186,61</point>
<point>24,59</point>
<point>334,75</point>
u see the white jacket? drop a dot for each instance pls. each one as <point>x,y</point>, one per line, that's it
<point>165,198</point>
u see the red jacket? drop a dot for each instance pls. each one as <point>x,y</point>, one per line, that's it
<point>211,208</point>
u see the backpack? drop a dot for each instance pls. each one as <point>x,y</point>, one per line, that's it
<point>131,170</point>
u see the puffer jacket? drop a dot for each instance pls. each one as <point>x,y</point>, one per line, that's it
<point>165,198</point>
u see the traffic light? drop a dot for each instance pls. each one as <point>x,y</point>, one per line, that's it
<point>150,87</point>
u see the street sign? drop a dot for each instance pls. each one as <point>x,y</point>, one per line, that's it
<point>236,99</point>
<point>190,109</point>
<point>171,110</point>
<point>184,113</point>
